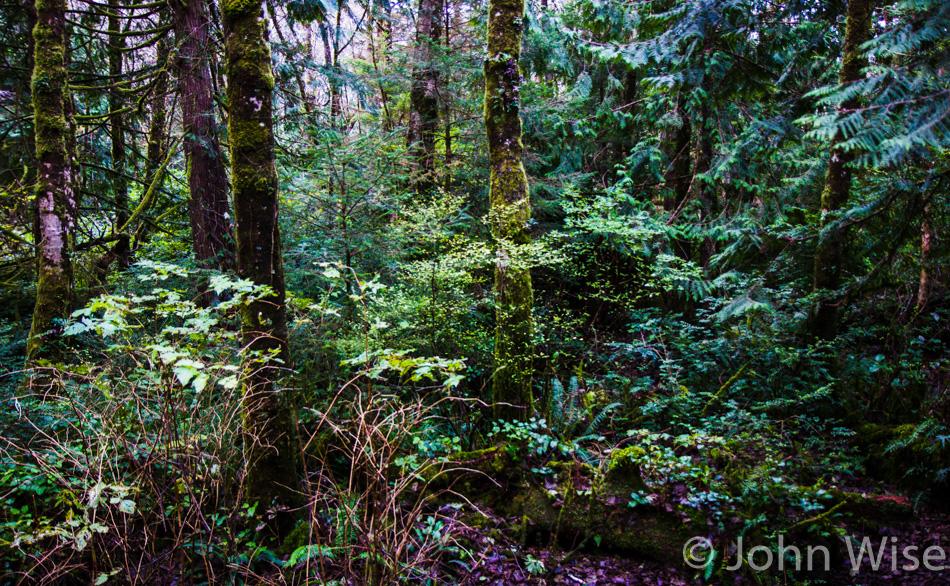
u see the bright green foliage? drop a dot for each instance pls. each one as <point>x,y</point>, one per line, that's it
<point>145,432</point>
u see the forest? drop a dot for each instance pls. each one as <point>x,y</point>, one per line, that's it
<point>438,292</point>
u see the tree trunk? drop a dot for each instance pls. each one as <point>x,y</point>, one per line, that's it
<point>207,179</point>
<point>298,76</point>
<point>678,174</point>
<point>424,95</point>
<point>155,151</point>
<point>268,421</point>
<point>706,194</point>
<point>330,57</point>
<point>510,212</point>
<point>828,256</point>
<point>54,185</point>
<point>120,186</point>
<point>926,262</point>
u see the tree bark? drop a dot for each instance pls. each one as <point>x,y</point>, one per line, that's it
<point>54,186</point>
<point>120,186</point>
<point>678,174</point>
<point>510,213</point>
<point>926,261</point>
<point>424,95</point>
<point>330,57</point>
<point>207,179</point>
<point>155,151</point>
<point>828,256</point>
<point>706,194</point>
<point>298,76</point>
<point>268,421</point>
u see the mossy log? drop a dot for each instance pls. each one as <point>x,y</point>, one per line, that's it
<point>896,456</point>
<point>577,508</point>
<point>882,509</point>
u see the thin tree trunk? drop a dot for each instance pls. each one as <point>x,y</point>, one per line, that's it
<point>333,79</point>
<point>424,95</point>
<point>381,28</point>
<point>679,175</point>
<point>829,256</point>
<point>268,420</point>
<point>926,262</point>
<point>510,212</point>
<point>679,172</point>
<point>298,77</point>
<point>54,186</point>
<point>29,7</point>
<point>157,138</point>
<point>631,87</point>
<point>207,178</point>
<point>706,193</point>
<point>120,186</point>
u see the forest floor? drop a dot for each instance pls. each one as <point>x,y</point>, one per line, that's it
<point>502,561</point>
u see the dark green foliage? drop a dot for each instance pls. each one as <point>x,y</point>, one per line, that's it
<point>653,304</point>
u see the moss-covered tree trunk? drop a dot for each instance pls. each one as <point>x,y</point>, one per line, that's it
<point>834,197</point>
<point>424,95</point>
<point>54,182</point>
<point>207,178</point>
<point>510,212</point>
<point>268,421</point>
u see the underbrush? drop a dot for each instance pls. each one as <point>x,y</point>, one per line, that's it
<point>126,463</point>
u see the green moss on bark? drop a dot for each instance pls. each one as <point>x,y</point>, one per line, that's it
<point>54,186</point>
<point>269,424</point>
<point>510,213</point>
<point>834,197</point>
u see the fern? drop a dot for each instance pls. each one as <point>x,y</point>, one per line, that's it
<point>346,523</point>
<point>564,407</point>
<point>308,552</point>
<point>596,421</point>
<point>904,96</point>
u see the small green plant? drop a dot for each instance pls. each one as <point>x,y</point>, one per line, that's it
<point>534,566</point>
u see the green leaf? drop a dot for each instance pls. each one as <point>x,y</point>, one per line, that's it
<point>200,382</point>
<point>307,552</point>
<point>184,373</point>
<point>229,382</point>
